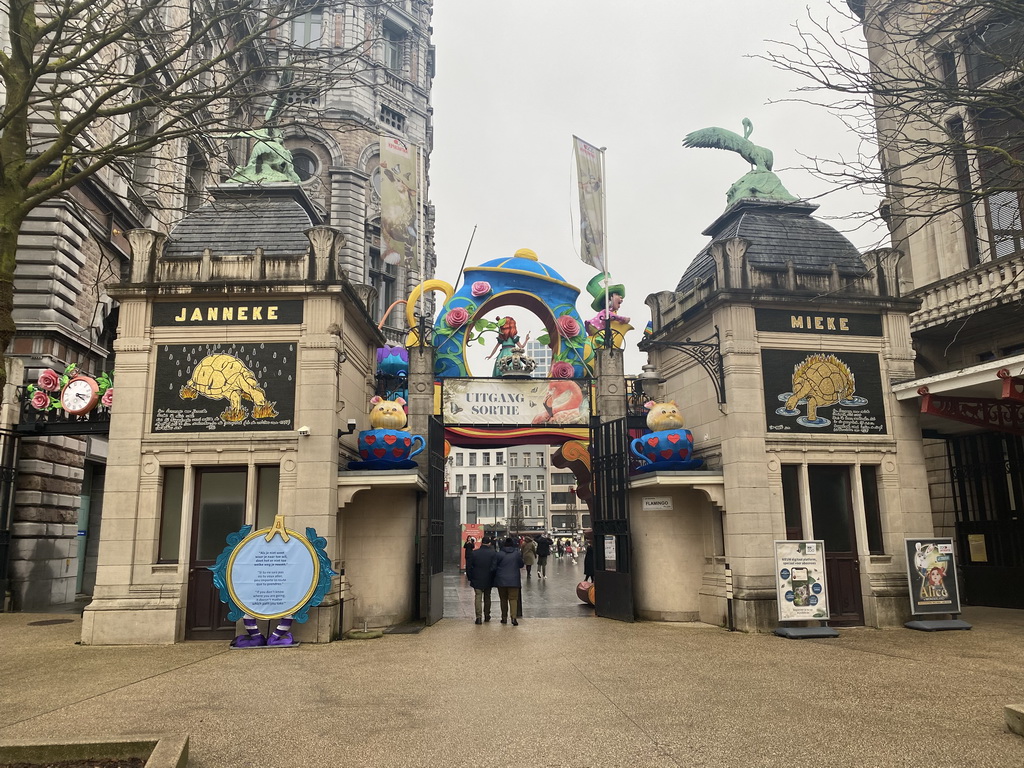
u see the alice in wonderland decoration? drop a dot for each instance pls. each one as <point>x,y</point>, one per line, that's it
<point>387,445</point>
<point>272,573</point>
<point>669,446</point>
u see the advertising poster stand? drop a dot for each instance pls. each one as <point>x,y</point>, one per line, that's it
<point>933,585</point>
<point>801,589</point>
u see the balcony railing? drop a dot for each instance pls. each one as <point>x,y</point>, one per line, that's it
<point>982,287</point>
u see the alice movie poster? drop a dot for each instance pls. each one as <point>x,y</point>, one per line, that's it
<point>932,574</point>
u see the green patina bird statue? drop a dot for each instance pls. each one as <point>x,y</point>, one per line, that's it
<point>719,138</point>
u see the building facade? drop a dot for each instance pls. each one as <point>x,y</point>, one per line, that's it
<point>948,122</point>
<point>72,248</point>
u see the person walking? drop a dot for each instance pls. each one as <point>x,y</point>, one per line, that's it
<point>480,571</point>
<point>588,560</point>
<point>508,580</point>
<point>544,543</point>
<point>468,548</point>
<point>529,550</point>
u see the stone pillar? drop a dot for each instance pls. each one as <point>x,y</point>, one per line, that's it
<point>421,395</point>
<point>611,385</point>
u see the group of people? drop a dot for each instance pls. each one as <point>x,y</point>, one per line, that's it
<point>487,568</point>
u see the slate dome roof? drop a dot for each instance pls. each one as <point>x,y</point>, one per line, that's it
<point>778,233</point>
<point>241,219</point>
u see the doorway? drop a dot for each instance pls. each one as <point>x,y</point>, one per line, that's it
<point>218,510</point>
<point>832,521</point>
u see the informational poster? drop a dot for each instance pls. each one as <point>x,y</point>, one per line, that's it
<point>822,392</point>
<point>248,386</point>
<point>931,571</point>
<point>609,553</point>
<point>800,580</point>
<point>271,579</point>
<point>515,402</point>
<point>470,531</point>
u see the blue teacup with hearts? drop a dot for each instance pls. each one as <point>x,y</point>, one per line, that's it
<point>667,449</point>
<point>392,445</point>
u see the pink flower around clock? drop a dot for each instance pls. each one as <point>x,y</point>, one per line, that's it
<point>49,380</point>
<point>40,400</point>
<point>108,397</point>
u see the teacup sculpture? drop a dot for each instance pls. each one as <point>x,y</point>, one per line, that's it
<point>387,445</point>
<point>668,446</point>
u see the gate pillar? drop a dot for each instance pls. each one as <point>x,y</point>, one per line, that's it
<point>611,385</point>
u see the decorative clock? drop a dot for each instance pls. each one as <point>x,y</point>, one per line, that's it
<point>80,395</point>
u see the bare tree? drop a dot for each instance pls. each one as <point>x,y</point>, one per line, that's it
<point>935,95</point>
<point>104,88</point>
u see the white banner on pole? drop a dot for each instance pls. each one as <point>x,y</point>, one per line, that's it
<point>590,177</point>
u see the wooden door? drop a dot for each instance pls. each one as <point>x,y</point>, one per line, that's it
<point>218,510</point>
<point>832,519</point>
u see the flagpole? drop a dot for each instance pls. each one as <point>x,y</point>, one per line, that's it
<point>604,247</point>
<point>419,225</point>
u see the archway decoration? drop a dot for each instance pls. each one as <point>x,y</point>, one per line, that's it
<point>523,281</point>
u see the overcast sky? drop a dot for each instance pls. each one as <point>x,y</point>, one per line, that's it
<point>516,80</point>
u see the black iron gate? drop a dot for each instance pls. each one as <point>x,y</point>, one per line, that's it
<point>613,581</point>
<point>9,440</point>
<point>435,522</point>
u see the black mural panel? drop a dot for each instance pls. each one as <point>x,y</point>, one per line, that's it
<point>822,392</point>
<point>224,387</point>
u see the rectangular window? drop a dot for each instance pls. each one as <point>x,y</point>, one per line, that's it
<point>486,484</point>
<point>458,459</point>
<point>831,508</point>
<point>499,483</point>
<point>540,507</point>
<point>394,44</point>
<point>391,118</point>
<point>499,458</point>
<point>872,512</point>
<point>308,28</point>
<point>1003,179</point>
<point>540,459</point>
<point>472,483</point>
<point>268,483</point>
<point>527,509</point>
<point>472,459</point>
<point>961,164</point>
<point>540,482</point>
<point>170,514</point>
<point>220,510</point>
<point>513,459</point>
<point>499,508</point>
<point>382,278</point>
<point>486,459</point>
<point>526,484</point>
<point>526,459</point>
<point>791,501</point>
<point>563,478</point>
<point>994,49</point>
<point>459,484</point>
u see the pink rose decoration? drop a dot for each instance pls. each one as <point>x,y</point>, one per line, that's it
<point>480,288</point>
<point>40,400</point>
<point>456,317</point>
<point>562,370</point>
<point>49,380</point>
<point>568,327</point>
<point>108,397</point>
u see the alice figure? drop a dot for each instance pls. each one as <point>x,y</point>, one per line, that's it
<point>508,342</point>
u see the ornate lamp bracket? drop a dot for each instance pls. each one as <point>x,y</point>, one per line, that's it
<point>707,352</point>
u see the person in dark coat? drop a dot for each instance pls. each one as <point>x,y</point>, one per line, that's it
<point>480,571</point>
<point>468,548</point>
<point>588,561</point>
<point>544,543</point>
<point>508,579</point>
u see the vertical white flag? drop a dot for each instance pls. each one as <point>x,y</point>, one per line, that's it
<point>590,176</point>
<point>399,201</point>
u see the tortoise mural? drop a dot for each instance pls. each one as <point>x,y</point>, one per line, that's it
<point>819,381</point>
<point>225,377</point>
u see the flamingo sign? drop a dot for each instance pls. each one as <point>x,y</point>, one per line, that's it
<point>515,402</point>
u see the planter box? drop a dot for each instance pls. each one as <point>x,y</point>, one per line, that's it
<point>168,751</point>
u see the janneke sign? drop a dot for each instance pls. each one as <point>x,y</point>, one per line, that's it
<point>515,402</point>
<point>247,386</point>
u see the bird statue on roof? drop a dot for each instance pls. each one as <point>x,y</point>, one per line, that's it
<point>720,138</point>
<point>760,183</point>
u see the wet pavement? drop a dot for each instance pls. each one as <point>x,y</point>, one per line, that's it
<point>553,597</point>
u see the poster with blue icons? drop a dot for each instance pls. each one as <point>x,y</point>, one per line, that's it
<point>800,580</point>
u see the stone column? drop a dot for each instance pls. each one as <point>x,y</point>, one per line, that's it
<point>611,385</point>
